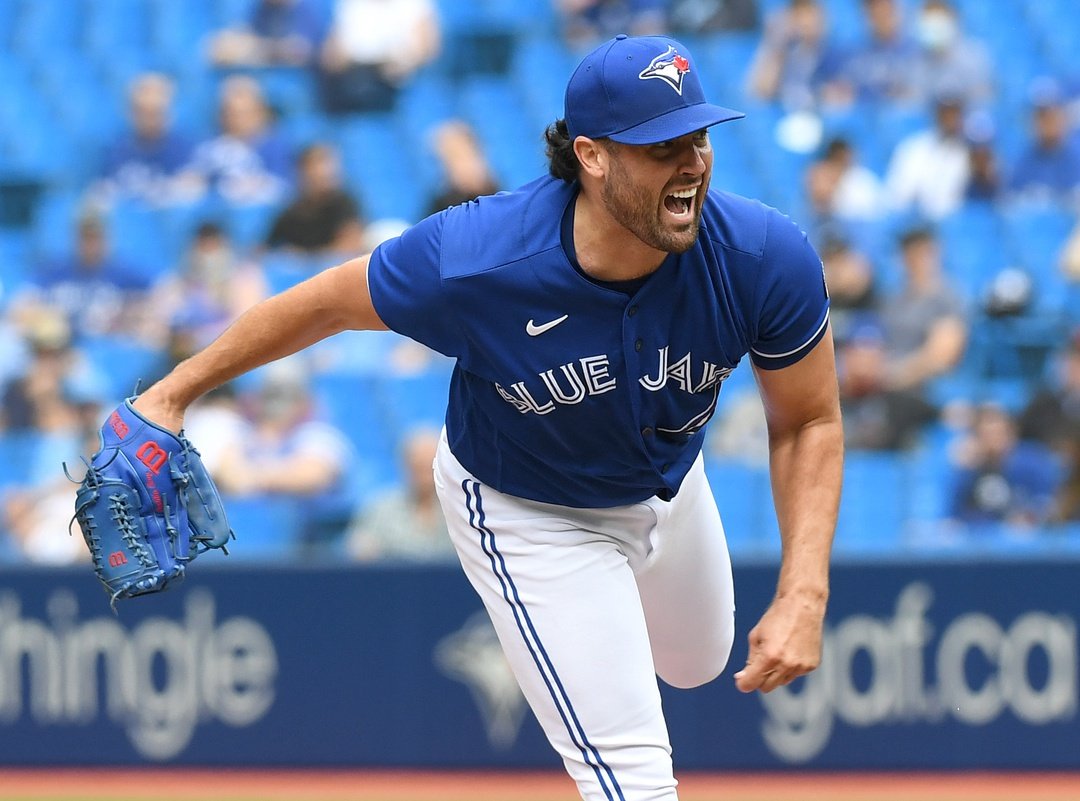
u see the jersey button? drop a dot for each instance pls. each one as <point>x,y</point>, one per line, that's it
<point>631,311</point>
<point>665,468</point>
<point>646,432</point>
<point>638,344</point>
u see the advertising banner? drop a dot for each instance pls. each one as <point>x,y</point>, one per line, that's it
<point>926,666</point>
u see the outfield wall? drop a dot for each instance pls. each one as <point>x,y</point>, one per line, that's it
<point>952,665</point>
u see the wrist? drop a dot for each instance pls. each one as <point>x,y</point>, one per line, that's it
<point>807,593</point>
<point>155,404</point>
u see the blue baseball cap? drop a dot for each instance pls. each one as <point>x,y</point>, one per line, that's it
<point>638,91</point>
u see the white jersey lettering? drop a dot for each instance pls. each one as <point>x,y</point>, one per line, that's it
<point>577,393</point>
<point>596,374</point>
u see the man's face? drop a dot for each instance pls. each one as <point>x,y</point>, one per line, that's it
<point>657,191</point>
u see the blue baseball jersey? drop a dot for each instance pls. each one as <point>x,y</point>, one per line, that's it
<point>571,392</point>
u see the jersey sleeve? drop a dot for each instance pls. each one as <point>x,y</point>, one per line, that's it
<point>408,291</point>
<point>791,299</point>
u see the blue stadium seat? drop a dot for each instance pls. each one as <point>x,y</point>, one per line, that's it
<point>44,29</point>
<point>289,91</point>
<point>493,108</point>
<point>973,247</point>
<point>249,225</point>
<point>386,186</point>
<point>230,13</point>
<point>745,503</point>
<point>14,261</point>
<point>176,30</point>
<point>139,235</point>
<point>930,469</point>
<point>1035,234</point>
<point>267,528</point>
<point>283,269</point>
<point>353,403</point>
<point>113,27</point>
<point>122,361</point>
<point>17,449</point>
<point>414,400</point>
<point>725,62</point>
<point>540,69</point>
<point>874,506</point>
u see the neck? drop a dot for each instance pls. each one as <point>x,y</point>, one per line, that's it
<point>605,249</point>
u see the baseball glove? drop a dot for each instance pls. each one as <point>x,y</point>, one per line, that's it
<point>146,506</point>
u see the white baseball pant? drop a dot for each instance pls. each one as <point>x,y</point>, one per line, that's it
<point>590,605</point>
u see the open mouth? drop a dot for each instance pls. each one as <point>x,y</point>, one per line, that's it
<point>680,204</point>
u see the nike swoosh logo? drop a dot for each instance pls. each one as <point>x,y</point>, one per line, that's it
<point>534,330</point>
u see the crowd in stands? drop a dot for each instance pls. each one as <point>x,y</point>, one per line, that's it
<point>217,152</point>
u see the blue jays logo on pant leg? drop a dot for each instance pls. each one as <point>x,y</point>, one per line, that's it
<point>669,67</point>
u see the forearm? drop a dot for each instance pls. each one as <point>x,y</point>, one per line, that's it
<point>806,470</point>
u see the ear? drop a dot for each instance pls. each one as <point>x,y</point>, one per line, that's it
<point>592,156</point>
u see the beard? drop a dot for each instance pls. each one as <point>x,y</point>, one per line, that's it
<point>635,209</point>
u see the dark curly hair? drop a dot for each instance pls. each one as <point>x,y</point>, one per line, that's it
<point>562,161</point>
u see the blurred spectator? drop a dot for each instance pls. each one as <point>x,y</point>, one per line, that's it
<point>57,401</point>
<point>323,217</point>
<point>144,162</point>
<point>929,169</point>
<point>405,523</point>
<point>36,515</point>
<point>796,62</point>
<point>1052,416</point>
<point>713,16</point>
<point>879,69</point>
<point>1070,254</point>
<point>38,398</point>
<point>466,171</point>
<point>843,189</point>
<point>373,47</point>
<point>951,61</point>
<point>1048,170</point>
<point>850,279</point>
<point>1000,479</point>
<point>210,288</point>
<point>876,417</point>
<point>739,432</point>
<point>98,293</point>
<point>984,178</point>
<point>216,422</point>
<point>925,325</point>
<point>248,161</point>
<point>276,33</point>
<point>588,22</point>
<point>285,449</point>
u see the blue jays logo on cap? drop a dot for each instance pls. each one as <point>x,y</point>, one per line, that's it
<point>612,93</point>
<point>669,67</point>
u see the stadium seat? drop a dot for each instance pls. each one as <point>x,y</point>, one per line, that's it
<point>14,261</point>
<point>249,225</point>
<point>385,185</point>
<point>44,29</point>
<point>540,69</point>
<point>353,403</point>
<point>1035,234</point>
<point>875,502</point>
<point>267,528</point>
<point>139,235</point>
<point>112,27</point>
<point>122,361</point>
<point>17,449</point>
<point>414,400</point>
<point>745,503</point>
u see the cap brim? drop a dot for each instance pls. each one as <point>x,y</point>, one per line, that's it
<point>680,122</point>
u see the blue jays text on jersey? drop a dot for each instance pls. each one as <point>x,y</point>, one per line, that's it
<point>571,392</point>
